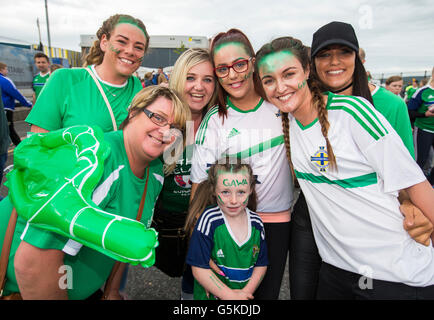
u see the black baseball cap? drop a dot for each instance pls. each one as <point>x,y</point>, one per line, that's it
<point>334,33</point>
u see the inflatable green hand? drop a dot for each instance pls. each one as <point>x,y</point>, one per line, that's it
<point>51,187</point>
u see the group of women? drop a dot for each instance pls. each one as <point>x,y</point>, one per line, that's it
<point>295,117</point>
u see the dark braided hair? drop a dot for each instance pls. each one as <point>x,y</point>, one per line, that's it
<point>300,51</point>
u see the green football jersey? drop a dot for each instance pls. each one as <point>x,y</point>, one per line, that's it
<point>71,97</point>
<point>39,82</point>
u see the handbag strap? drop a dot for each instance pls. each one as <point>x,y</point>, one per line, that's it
<point>117,264</point>
<point>4,258</point>
<point>115,127</point>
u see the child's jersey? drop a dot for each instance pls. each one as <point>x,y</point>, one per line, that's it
<point>213,238</point>
<point>355,212</point>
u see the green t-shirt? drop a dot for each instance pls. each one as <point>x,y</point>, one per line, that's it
<point>71,97</point>
<point>410,90</point>
<point>394,109</point>
<point>119,192</point>
<point>39,82</point>
<point>175,196</point>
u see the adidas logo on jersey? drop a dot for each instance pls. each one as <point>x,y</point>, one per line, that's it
<point>233,133</point>
<point>220,253</point>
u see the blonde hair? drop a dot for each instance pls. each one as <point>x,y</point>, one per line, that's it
<point>187,60</point>
<point>205,192</point>
<point>96,55</point>
<point>147,96</point>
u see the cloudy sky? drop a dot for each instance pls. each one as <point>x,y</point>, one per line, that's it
<point>397,35</point>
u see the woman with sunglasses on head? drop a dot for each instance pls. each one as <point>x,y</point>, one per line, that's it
<point>131,166</point>
<point>193,78</point>
<point>100,93</point>
<point>338,68</point>
<point>243,125</point>
<point>350,164</point>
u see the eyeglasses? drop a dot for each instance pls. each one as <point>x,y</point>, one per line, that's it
<point>239,66</point>
<point>158,119</point>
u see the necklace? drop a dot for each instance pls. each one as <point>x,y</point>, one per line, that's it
<point>109,91</point>
<point>343,89</point>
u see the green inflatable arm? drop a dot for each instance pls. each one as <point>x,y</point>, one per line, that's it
<point>51,187</point>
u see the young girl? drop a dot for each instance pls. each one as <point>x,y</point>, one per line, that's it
<point>229,233</point>
<point>244,125</point>
<point>350,164</point>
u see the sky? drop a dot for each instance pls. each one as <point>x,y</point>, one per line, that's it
<point>396,35</point>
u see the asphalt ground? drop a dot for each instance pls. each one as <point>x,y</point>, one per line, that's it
<point>142,283</point>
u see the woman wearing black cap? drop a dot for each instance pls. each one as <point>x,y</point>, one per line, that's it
<point>338,68</point>
<point>350,164</point>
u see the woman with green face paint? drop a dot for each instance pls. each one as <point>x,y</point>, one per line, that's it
<point>243,125</point>
<point>350,164</point>
<point>225,229</point>
<point>73,96</point>
<point>55,204</point>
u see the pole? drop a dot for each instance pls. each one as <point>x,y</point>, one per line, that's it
<point>48,29</point>
<point>40,47</point>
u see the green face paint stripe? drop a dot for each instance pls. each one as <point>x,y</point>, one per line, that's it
<point>260,147</point>
<point>271,58</point>
<point>234,182</point>
<point>219,198</point>
<point>132,22</point>
<point>355,182</point>
<point>246,201</point>
<point>234,43</point>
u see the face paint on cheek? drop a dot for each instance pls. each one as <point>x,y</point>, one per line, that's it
<point>302,85</point>
<point>220,200</point>
<point>249,75</point>
<point>246,201</point>
<point>115,50</point>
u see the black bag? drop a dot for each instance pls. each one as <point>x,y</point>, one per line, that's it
<point>173,242</point>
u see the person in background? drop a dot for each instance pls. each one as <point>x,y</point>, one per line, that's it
<point>42,63</point>
<point>394,84</point>
<point>421,108</point>
<point>5,140</point>
<point>55,66</point>
<point>10,93</point>
<point>158,77</point>
<point>410,90</point>
<point>148,79</point>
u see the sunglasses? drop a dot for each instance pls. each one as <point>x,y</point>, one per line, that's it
<point>239,66</point>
